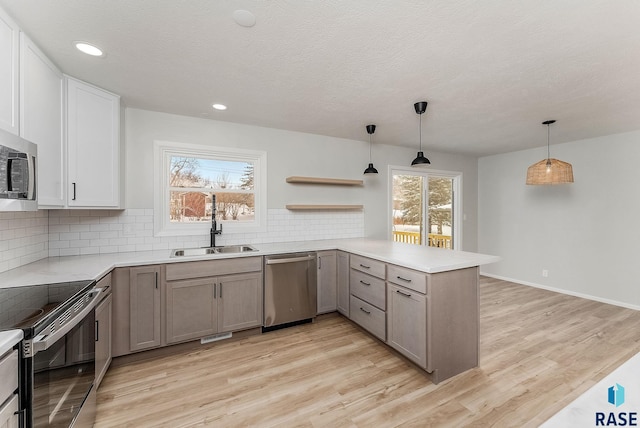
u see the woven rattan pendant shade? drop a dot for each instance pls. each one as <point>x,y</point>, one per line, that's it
<point>557,172</point>
<point>549,171</point>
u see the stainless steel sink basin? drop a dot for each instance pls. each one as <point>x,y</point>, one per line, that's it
<point>227,249</point>
<point>234,249</point>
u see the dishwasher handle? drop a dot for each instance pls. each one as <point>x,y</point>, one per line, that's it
<point>290,260</point>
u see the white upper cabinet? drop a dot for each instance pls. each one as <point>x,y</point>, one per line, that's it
<point>41,120</point>
<point>93,144</point>
<point>9,66</point>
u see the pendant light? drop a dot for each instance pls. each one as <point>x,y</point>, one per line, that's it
<point>420,160</point>
<point>549,171</point>
<point>370,169</point>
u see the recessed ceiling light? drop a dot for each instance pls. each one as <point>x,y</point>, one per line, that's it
<point>244,18</point>
<point>88,49</point>
<point>219,106</point>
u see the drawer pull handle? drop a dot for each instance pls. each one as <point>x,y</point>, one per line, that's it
<point>365,266</point>
<point>365,283</point>
<point>403,279</point>
<point>404,294</point>
<point>365,311</point>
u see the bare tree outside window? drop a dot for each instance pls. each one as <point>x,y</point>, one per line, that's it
<point>193,181</point>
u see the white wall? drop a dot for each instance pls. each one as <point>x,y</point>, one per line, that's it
<point>585,234</point>
<point>291,153</point>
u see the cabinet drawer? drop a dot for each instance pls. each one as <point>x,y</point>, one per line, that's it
<point>369,317</point>
<point>408,278</point>
<point>205,268</point>
<point>105,285</point>
<point>8,374</point>
<point>368,288</point>
<point>370,266</point>
<point>9,413</point>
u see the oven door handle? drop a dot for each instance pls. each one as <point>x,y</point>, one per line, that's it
<point>42,343</point>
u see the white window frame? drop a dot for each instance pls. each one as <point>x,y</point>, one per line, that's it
<point>457,198</point>
<point>164,150</point>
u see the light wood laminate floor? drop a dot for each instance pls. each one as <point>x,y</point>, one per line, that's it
<point>539,351</point>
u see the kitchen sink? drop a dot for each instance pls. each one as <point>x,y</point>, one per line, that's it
<point>234,249</point>
<point>227,249</point>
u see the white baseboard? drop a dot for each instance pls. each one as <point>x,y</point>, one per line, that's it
<point>562,291</point>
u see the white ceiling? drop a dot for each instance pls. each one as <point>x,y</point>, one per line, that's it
<point>491,70</point>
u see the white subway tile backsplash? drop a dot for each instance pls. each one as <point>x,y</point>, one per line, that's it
<point>24,238</point>
<point>29,236</point>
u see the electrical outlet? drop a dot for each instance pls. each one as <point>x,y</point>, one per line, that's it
<point>545,273</point>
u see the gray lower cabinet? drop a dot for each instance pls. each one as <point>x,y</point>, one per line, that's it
<point>430,318</point>
<point>407,323</point>
<point>144,307</point>
<point>103,327</point>
<point>343,283</point>
<point>159,305</point>
<point>204,306</point>
<point>192,310</point>
<point>136,309</point>
<point>103,338</point>
<point>239,302</point>
<point>326,281</point>
<point>9,415</point>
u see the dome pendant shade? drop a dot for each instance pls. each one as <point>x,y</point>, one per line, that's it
<point>549,171</point>
<point>370,169</point>
<point>420,159</point>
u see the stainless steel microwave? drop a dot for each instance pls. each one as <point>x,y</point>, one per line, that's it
<point>17,173</point>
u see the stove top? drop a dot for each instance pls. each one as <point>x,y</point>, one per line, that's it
<point>26,307</point>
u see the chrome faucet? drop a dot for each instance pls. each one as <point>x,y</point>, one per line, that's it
<point>214,227</point>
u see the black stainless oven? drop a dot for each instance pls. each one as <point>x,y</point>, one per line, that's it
<point>58,359</point>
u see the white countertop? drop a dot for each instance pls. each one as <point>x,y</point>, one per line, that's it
<point>75,268</point>
<point>8,339</point>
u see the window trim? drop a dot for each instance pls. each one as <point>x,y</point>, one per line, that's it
<point>457,197</point>
<point>163,150</point>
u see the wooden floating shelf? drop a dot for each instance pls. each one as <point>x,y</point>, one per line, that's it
<point>320,180</point>
<point>324,207</point>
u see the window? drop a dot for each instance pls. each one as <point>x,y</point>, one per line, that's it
<point>188,177</point>
<point>425,207</point>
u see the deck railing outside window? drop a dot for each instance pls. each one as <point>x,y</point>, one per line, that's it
<point>435,240</point>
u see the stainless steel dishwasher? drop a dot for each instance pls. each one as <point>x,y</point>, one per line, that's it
<point>290,290</point>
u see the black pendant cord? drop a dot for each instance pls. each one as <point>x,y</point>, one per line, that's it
<point>369,148</point>
<point>548,123</point>
<point>420,131</point>
<point>548,134</point>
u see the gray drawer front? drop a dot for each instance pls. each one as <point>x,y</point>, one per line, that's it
<point>205,268</point>
<point>368,288</point>
<point>408,278</point>
<point>370,266</point>
<point>369,317</point>
<point>8,375</point>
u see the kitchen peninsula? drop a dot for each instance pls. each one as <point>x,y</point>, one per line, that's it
<point>421,301</point>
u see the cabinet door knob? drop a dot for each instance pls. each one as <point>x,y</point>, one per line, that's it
<point>365,311</point>
<point>364,283</point>
<point>403,279</point>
